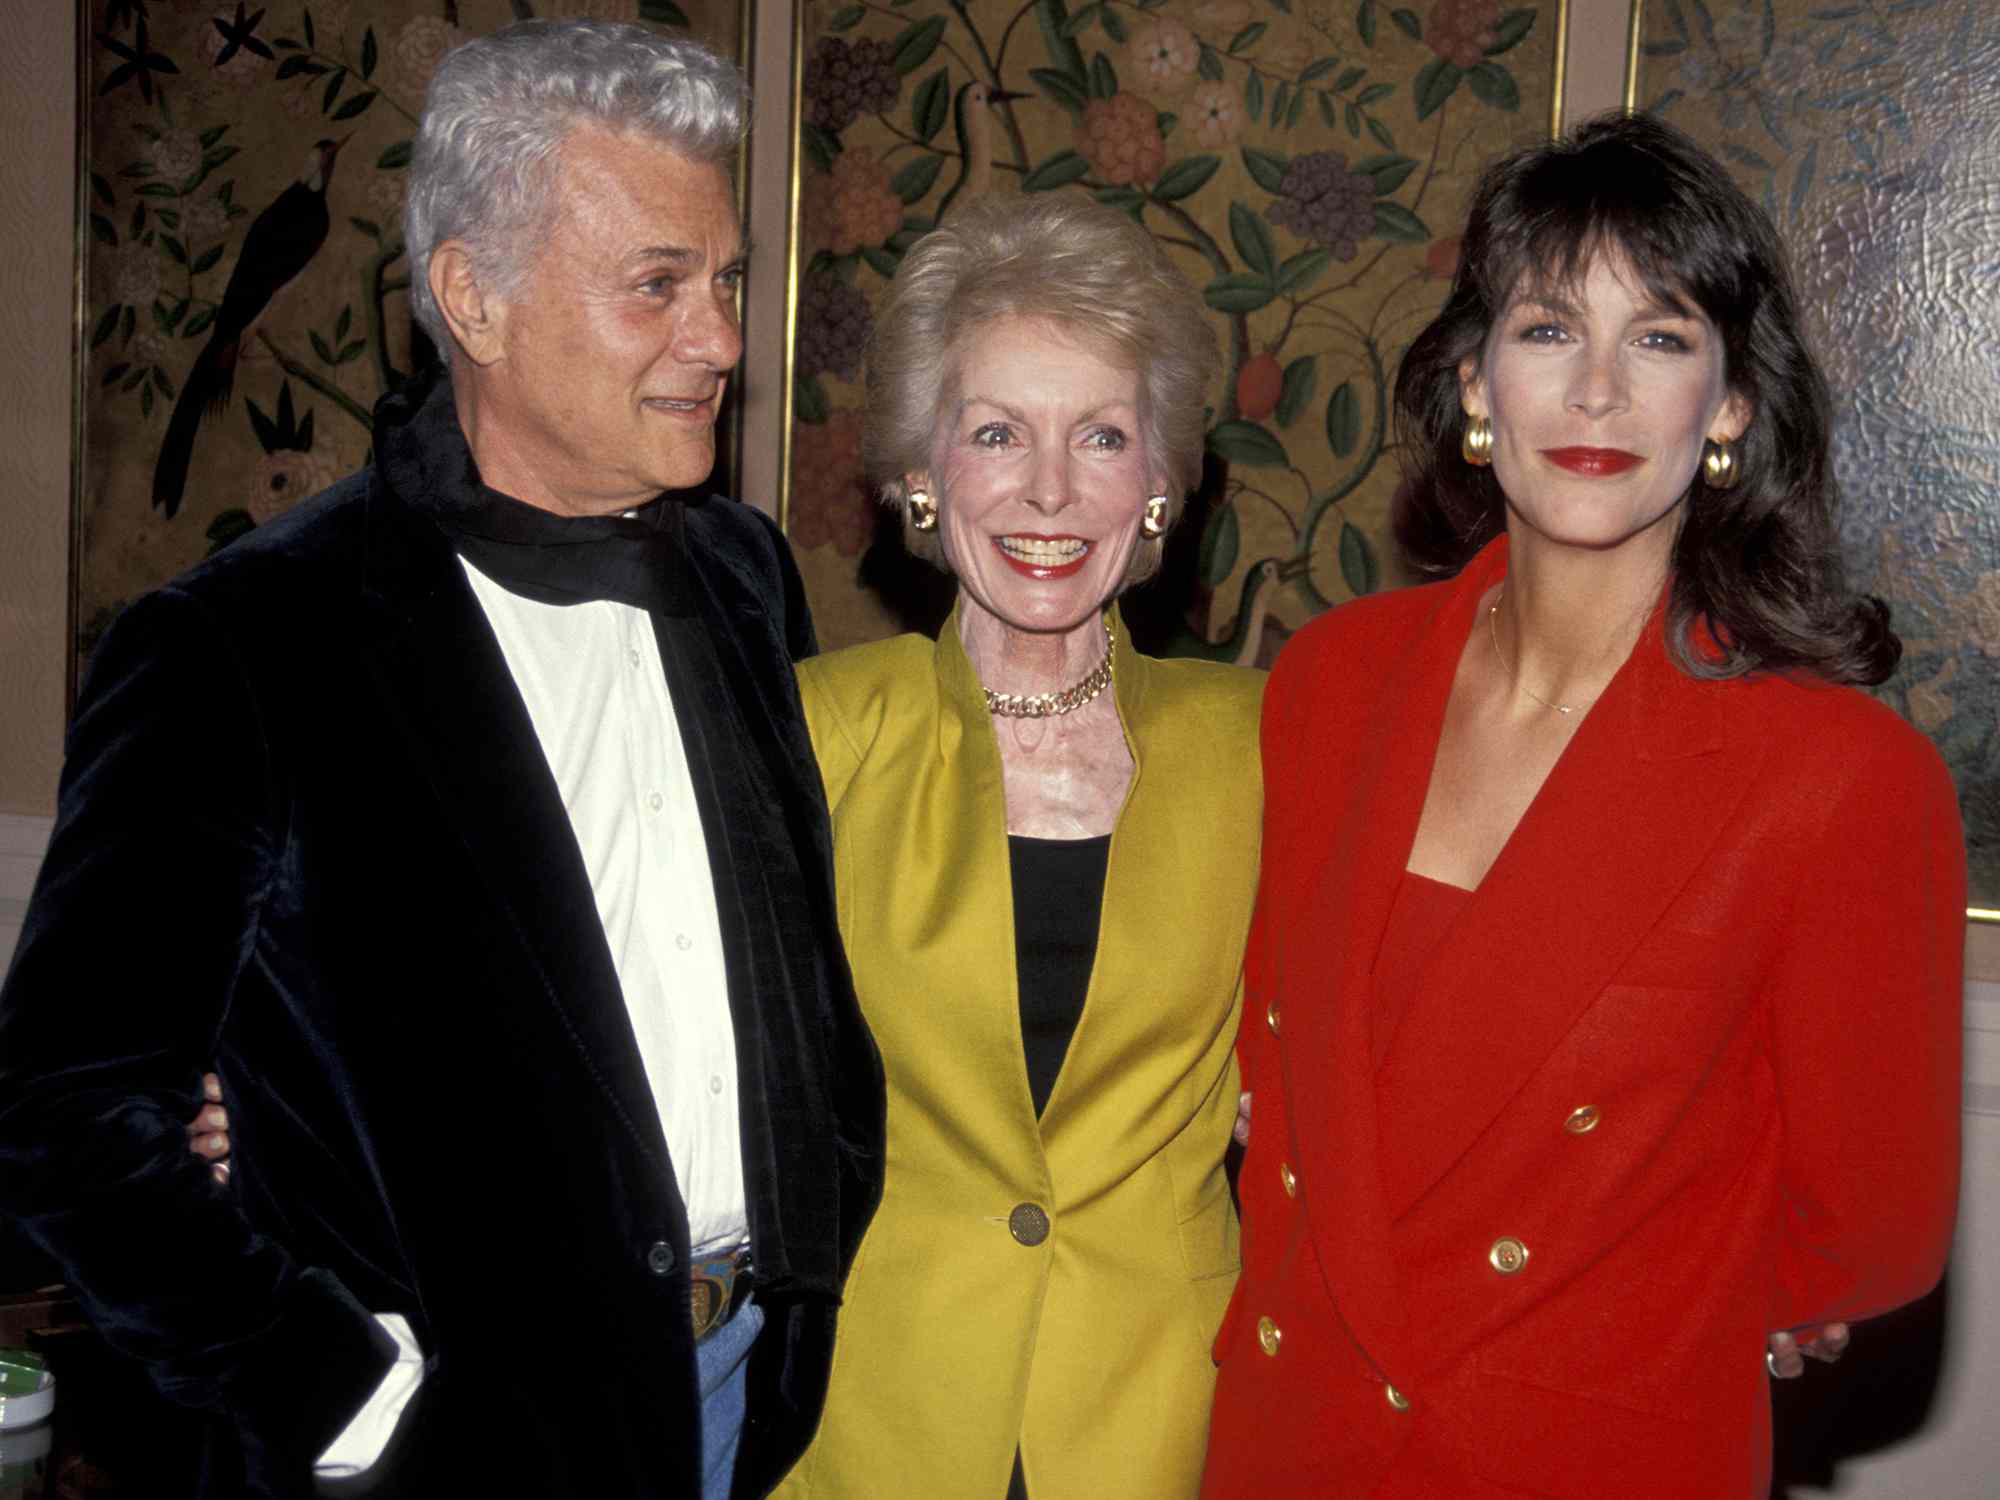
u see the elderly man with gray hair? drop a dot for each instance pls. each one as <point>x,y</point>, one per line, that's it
<point>465,819</point>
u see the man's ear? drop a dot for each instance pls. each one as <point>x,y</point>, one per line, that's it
<point>476,318</point>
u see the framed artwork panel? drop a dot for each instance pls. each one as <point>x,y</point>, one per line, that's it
<point>1305,162</point>
<point>241,261</point>
<point>1871,135</point>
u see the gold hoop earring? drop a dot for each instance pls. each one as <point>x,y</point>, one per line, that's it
<point>1719,468</point>
<point>1476,447</point>
<point>1153,524</point>
<point>923,511</point>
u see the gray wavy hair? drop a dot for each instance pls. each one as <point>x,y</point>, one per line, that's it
<point>497,113</point>
<point>1086,268</point>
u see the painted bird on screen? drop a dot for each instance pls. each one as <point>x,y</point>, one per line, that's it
<point>282,241</point>
<point>974,127</point>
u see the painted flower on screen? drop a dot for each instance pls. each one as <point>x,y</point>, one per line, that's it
<point>830,506</point>
<point>853,205</point>
<point>1320,199</point>
<point>1460,31</point>
<point>1161,57</point>
<point>1120,138</point>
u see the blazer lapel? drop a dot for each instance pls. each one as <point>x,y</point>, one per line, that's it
<point>1623,821</point>
<point>760,677</point>
<point>1328,950</point>
<point>974,898</point>
<point>447,688</point>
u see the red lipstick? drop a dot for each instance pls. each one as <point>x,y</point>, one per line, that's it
<point>1594,462</point>
<point>1046,557</point>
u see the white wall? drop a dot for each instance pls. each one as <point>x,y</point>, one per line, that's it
<point>1956,1455</point>
<point>22,840</point>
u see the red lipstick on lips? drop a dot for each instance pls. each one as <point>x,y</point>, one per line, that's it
<point>1595,462</point>
<point>1041,570</point>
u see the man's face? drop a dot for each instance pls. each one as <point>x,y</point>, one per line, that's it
<point>613,356</point>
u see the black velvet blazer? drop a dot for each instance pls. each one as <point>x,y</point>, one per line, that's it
<point>306,832</point>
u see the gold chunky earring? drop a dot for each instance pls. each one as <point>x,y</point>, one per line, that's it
<point>1719,468</point>
<point>923,511</point>
<point>1476,447</point>
<point>1153,524</point>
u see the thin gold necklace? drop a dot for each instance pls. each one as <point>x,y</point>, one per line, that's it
<point>1493,632</point>
<point>1048,705</point>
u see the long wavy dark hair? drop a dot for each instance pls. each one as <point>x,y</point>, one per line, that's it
<point>1758,565</point>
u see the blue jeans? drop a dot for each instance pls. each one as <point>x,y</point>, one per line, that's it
<point>722,1363</point>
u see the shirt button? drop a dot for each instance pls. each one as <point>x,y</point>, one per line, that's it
<point>660,1258</point>
<point>1396,1399</point>
<point>1289,1178</point>
<point>683,942</point>
<point>1508,1255</point>
<point>632,656</point>
<point>656,802</point>
<point>1269,1336</point>
<point>1583,1121</point>
<point>715,1083</point>
<point>1028,1223</point>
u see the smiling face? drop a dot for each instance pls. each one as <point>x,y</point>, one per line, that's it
<point>1041,474</point>
<point>601,380</point>
<point>1600,399</point>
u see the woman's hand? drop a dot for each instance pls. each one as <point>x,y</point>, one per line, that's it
<point>1787,1356</point>
<point>1242,1128</point>
<point>208,1131</point>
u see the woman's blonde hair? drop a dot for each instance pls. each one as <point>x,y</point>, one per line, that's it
<point>1087,269</point>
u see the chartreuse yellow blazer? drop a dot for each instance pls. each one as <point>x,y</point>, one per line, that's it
<point>1054,1283</point>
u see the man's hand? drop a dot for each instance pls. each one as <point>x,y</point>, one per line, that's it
<point>208,1131</point>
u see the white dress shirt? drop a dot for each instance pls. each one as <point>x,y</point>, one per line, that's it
<point>597,695</point>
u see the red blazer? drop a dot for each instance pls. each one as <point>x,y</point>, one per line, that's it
<point>1687,1071</point>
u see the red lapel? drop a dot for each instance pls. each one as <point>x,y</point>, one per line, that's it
<point>1326,950</point>
<point>1624,820</point>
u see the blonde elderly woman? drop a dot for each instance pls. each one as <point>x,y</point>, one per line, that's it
<point>1045,850</point>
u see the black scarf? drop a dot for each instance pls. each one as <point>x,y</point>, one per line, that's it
<point>638,559</point>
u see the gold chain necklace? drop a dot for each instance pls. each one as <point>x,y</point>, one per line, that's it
<point>1048,705</point>
<point>1493,632</point>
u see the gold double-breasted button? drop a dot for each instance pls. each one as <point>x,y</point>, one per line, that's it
<point>1271,1017</point>
<point>1028,1223</point>
<point>1396,1399</point>
<point>1508,1255</point>
<point>1269,1336</point>
<point>1583,1120</point>
<point>1289,1178</point>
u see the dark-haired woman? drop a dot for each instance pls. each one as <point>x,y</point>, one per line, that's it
<point>1603,990</point>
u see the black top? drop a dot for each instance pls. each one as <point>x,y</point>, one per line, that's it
<point>1058,898</point>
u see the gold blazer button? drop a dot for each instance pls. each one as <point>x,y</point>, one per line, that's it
<point>1289,1178</point>
<point>1269,1336</point>
<point>1508,1255</point>
<point>1271,1017</point>
<point>1584,1120</point>
<point>1028,1223</point>
<point>1396,1399</point>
